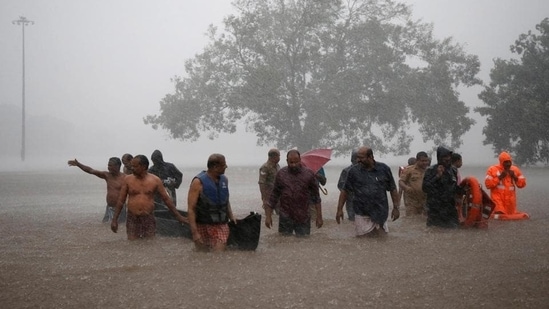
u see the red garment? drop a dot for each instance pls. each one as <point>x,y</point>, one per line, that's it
<point>503,192</point>
<point>212,234</point>
<point>140,226</point>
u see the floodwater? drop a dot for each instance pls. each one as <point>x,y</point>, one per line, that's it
<point>56,253</point>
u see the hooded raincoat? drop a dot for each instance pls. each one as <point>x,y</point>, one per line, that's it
<point>503,192</point>
<point>169,174</point>
<point>441,192</point>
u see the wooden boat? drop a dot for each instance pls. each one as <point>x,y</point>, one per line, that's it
<point>167,224</point>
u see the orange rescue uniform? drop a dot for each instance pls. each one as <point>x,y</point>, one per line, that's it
<point>503,192</point>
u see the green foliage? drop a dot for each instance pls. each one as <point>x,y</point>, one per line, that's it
<point>323,73</point>
<point>517,100</point>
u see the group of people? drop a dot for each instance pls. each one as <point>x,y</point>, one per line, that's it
<point>293,189</point>
<point>428,190</point>
<point>293,193</point>
<point>431,190</point>
<point>134,194</point>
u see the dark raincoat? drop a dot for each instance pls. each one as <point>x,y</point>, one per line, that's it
<point>441,192</point>
<point>169,174</point>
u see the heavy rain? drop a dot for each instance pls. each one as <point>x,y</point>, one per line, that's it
<point>94,69</point>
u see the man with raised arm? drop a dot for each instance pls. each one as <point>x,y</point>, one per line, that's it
<point>139,190</point>
<point>114,179</point>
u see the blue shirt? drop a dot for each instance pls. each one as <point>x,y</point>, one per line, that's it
<point>369,188</point>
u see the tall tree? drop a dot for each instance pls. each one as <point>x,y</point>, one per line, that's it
<point>323,73</point>
<point>517,100</point>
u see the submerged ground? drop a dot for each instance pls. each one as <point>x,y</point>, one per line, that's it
<point>56,253</point>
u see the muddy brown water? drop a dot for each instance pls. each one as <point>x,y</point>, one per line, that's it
<point>56,253</point>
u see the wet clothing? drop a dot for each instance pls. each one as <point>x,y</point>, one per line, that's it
<point>109,214</point>
<point>349,200</point>
<point>320,180</point>
<point>287,226</point>
<point>365,225</point>
<point>169,174</point>
<point>140,226</point>
<point>414,200</point>
<point>267,173</point>
<point>294,190</point>
<point>503,192</point>
<point>459,179</point>
<point>370,189</point>
<point>213,234</point>
<point>441,192</point>
<point>213,201</point>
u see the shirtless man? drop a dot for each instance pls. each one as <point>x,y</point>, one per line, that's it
<point>139,189</point>
<point>114,180</point>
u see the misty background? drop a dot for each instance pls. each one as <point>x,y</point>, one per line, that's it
<point>94,69</point>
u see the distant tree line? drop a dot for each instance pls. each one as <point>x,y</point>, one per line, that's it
<point>328,73</point>
<point>517,100</point>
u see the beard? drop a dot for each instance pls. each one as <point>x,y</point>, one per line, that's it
<point>294,169</point>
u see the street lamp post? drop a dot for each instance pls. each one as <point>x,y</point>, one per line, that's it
<point>23,21</point>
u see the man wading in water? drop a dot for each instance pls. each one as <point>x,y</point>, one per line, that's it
<point>114,180</point>
<point>139,189</point>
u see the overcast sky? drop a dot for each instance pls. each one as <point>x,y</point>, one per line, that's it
<point>106,64</point>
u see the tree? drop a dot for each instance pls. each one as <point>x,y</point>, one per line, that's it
<point>517,100</point>
<point>323,73</point>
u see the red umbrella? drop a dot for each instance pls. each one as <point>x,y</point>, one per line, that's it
<point>316,158</point>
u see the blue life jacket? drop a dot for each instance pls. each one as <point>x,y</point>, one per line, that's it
<point>213,201</point>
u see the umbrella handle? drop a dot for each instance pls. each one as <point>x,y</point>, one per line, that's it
<point>323,190</point>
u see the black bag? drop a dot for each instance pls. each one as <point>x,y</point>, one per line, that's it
<point>244,235</point>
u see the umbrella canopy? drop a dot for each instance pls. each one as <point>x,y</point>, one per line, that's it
<point>316,158</point>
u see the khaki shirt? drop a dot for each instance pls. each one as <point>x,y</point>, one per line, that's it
<point>413,177</point>
<point>267,173</point>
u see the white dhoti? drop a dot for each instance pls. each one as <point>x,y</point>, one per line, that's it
<point>365,225</point>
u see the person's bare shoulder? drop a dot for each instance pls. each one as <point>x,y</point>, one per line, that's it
<point>152,177</point>
<point>196,184</point>
<point>129,179</point>
<point>118,177</point>
<point>153,180</point>
<point>194,190</point>
<point>195,181</point>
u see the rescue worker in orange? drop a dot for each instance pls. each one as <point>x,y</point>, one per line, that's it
<point>502,180</point>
